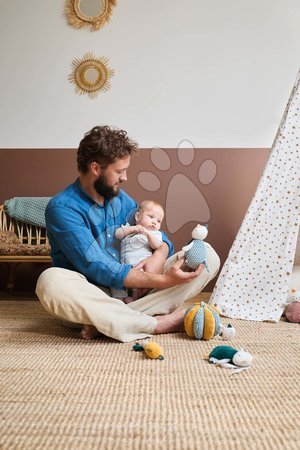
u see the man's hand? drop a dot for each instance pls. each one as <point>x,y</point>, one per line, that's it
<point>175,275</point>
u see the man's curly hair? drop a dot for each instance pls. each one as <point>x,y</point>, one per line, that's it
<point>104,145</point>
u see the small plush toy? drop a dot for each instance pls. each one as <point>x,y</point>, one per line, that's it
<point>202,321</point>
<point>292,312</point>
<point>230,358</point>
<point>228,332</point>
<point>294,296</point>
<point>195,251</point>
<point>292,307</point>
<point>152,349</point>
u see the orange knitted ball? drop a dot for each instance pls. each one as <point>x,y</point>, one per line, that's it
<point>202,321</point>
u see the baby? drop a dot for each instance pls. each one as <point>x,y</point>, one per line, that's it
<point>139,241</point>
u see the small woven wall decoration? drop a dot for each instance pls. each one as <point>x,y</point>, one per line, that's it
<point>77,18</point>
<point>90,75</point>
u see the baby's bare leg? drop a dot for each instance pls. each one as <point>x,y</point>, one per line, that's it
<point>127,300</point>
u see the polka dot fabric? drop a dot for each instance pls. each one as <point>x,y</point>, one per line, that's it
<point>255,279</point>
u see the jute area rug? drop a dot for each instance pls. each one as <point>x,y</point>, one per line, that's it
<point>60,392</point>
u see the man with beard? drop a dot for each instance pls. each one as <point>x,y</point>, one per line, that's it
<point>81,221</point>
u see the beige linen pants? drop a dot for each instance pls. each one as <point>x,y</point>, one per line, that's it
<point>68,295</point>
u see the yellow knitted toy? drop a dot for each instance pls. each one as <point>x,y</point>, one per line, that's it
<point>202,321</point>
<point>152,349</point>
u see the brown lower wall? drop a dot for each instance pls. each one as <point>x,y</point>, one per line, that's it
<point>217,192</point>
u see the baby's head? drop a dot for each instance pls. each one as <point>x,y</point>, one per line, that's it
<point>150,215</point>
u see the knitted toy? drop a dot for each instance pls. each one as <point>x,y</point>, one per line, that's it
<point>202,321</point>
<point>195,251</point>
<point>152,349</point>
<point>228,332</point>
<point>292,310</point>
<point>230,358</point>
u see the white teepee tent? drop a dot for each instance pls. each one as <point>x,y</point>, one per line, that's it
<point>255,279</point>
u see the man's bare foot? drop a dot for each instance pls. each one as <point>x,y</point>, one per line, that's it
<point>89,332</point>
<point>170,323</point>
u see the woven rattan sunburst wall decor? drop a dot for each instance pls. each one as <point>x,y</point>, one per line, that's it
<point>91,75</point>
<point>94,14</point>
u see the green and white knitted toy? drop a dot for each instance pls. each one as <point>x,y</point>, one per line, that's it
<point>230,358</point>
<point>195,251</point>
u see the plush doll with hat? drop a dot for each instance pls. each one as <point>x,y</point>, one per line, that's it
<point>195,251</point>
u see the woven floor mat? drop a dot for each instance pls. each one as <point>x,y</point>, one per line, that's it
<point>61,392</point>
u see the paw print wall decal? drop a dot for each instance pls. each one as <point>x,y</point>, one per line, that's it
<point>184,200</point>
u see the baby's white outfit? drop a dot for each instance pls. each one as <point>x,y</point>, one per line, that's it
<point>134,248</point>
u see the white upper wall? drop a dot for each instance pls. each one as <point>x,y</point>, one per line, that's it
<point>218,73</point>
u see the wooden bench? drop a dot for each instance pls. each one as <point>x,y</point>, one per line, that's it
<point>28,234</point>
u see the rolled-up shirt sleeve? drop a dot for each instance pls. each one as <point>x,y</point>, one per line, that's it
<point>75,240</point>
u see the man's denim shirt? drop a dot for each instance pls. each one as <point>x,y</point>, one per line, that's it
<point>81,234</point>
